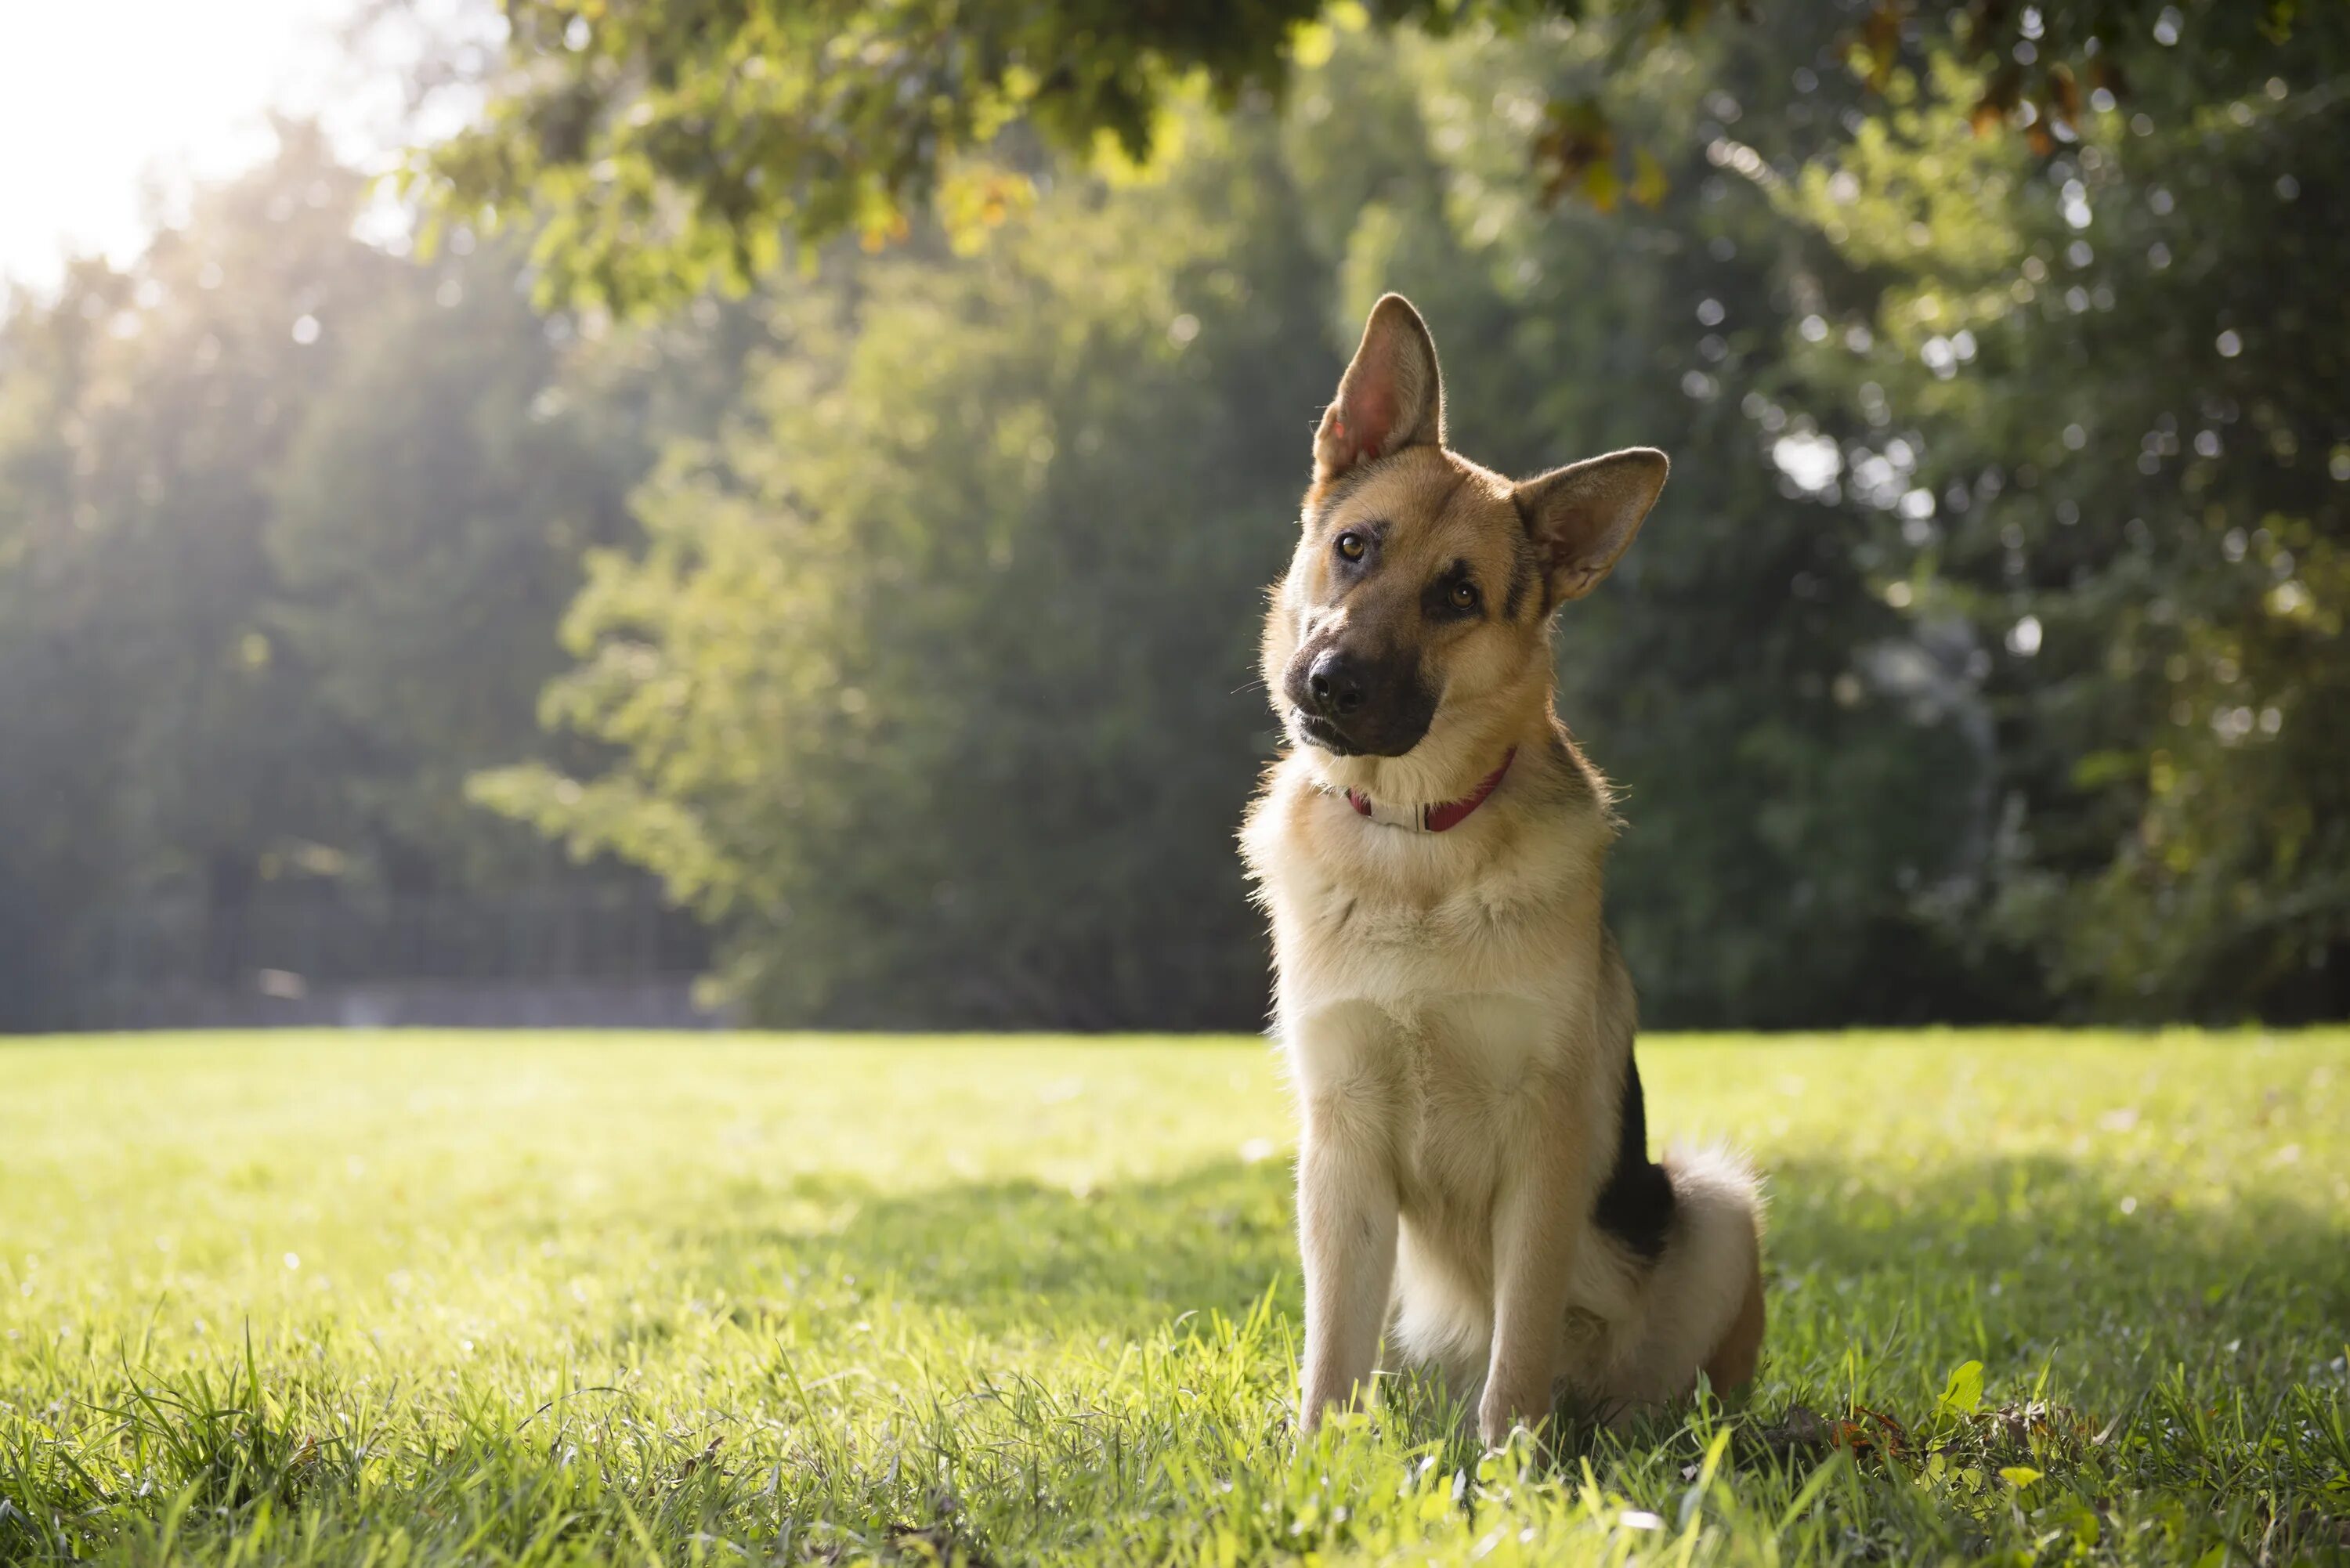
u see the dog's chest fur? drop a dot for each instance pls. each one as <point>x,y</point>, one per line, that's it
<point>1501,905</point>
<point>1427,981</point>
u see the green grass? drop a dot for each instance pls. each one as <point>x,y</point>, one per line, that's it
<point>397,1299</point>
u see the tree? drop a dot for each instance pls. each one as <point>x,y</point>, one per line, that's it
<point>2103,401</point>
<point>662,147</point>
<point>135,665</point>
<point>929,681</point>
<point>287,521</point>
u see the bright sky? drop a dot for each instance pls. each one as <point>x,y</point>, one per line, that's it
<point>108,106</point>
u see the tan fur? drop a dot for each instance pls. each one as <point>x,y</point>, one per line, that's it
<point>1732,1363</point>
<point>1456,1019</point>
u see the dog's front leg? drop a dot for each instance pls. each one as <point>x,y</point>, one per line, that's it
<point>1537,1226</point>
<point>1347,1232</point>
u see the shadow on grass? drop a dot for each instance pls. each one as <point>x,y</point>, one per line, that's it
<point>2019,1261</point>
<point>1015,1255</point>
<point>2015,1262</point>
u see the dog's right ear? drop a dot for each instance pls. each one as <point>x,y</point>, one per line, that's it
<point>1582,518</point>
<point>1390,397</point>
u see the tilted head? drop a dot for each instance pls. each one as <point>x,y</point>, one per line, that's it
<point>1414,623</point>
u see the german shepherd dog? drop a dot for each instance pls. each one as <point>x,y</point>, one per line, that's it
<point>1474,1177</point>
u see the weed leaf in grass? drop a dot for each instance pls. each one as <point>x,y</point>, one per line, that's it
<point>1962,1395</point>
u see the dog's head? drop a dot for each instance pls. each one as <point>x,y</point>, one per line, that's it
<point>1414,622</point>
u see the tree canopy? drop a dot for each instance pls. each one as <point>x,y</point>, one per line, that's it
<point>665,146</point>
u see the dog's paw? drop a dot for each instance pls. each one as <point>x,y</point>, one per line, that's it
<point>1501,1418</point>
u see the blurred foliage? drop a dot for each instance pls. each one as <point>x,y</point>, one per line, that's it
<point>931,678</point>
<point>1978,662</point>
<point>661,147</point>
<point>2103,395</point>
<point>286,525</point>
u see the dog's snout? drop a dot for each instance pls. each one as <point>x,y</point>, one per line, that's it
<point>1339,684</point>
<point>1354,702</point>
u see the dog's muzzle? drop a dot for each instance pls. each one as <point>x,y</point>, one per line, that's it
<point>1356,705</point>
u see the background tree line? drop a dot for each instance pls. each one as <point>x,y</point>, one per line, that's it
<point>286,523</point>
<point>896,612</point>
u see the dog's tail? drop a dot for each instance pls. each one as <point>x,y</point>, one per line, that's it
<point>1703,1300</point>
<point>1718,1196</point>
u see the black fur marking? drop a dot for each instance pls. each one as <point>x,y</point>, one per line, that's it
<point>1528,565</point>
<point>1522,579</point>
<point>1635,1207</point>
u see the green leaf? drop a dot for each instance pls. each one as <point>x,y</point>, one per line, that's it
<point>1649,183</point>
<point>1962,1395</point>
<point>1601,188</point>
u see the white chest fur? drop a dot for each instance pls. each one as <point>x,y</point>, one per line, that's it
<point>1507,905</point>
<point>1441,1085</point>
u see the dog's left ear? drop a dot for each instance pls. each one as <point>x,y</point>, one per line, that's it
<point>1391,397</point>
<point>1582,516</point>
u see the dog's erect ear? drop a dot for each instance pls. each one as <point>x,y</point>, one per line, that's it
<point>1390,397</point>
<point>1582,516</point>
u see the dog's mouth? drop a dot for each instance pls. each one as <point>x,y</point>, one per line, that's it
<point>1317,731</point>
<point>1384,740</point>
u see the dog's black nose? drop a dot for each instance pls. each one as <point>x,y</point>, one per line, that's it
<point>1338,684</point>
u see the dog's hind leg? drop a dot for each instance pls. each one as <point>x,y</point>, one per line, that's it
<point>1701,1304</point>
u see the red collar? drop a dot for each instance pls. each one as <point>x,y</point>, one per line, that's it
<point>1433,818</point>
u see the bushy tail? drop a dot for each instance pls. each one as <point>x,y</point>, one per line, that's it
<point>1723,1195</point>
<point>1703,1307</point>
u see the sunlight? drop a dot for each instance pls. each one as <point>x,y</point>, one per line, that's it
<point>111,110</point>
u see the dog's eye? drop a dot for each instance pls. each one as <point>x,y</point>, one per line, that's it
<point>1462,597</point>
<point>1352,547</point>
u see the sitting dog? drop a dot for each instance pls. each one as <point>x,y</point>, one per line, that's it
<point>1474,1177</point>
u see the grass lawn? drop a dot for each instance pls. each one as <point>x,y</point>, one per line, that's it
<point>413,1298</point>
